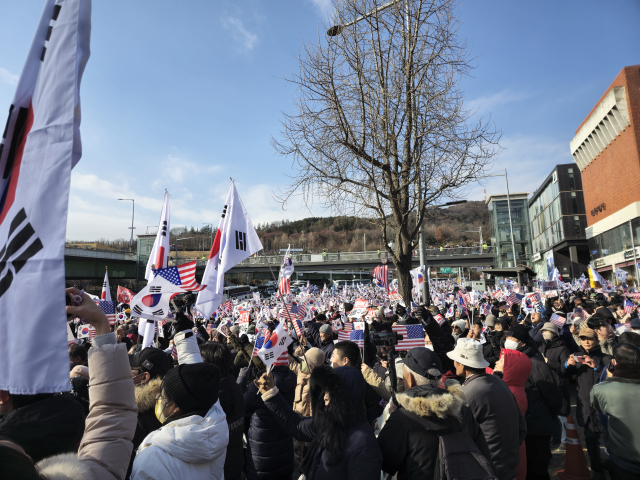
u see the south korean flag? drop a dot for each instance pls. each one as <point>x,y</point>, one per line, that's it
<point>153,301</point>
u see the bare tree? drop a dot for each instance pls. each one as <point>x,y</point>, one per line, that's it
<point>380,129</point>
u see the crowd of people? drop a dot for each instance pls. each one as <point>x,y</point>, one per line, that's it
<point>489,394</point>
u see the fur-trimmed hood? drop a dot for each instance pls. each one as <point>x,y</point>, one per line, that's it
<point>146,394</point>
<point>431,402</point>
<point>66,466</point>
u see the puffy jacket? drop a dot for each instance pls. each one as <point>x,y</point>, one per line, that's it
<point>515,372</point>
<point>361,458</point>
<point>410,437</point>
<point>269,447</point>
<point>244,350</point>
<point>587,377</point>
<point>543,395</point>
<point>496,411</point>
<point>147,420</point>
<point>192,447</point>
<point>557,353</point>
<point>301,403</point>
<point>106,446</point>
<point>232,403</point>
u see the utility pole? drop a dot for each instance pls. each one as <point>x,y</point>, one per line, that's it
<point>365,242</point>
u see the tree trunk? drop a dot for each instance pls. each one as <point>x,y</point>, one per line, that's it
<point>403,268</point>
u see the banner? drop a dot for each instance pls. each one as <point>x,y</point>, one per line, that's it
<point>39,147</point>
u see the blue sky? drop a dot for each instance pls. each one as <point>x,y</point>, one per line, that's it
<point>184,95</point>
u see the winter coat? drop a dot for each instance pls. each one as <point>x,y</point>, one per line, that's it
<point>409,440</point>
<point>557,353</point>
<point>147,420</point>
<point>301,403</point>
<point>376,383</point>
<point>192,447</point>
<point>361,458</point>
<point>543,395</point>
<point>536,332</point>
<point>232,403</point>
<point>489,351</point>
<point>587,377</point>
<point>106,444</point>
<point>244,350</point>
<point>440,336</point>
<point>617,398</point>
<point>503,425</point>
<point>48,427</point>
<point>269,448</point>
<point>515,372</point>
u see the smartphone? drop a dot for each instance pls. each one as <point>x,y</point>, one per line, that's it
<point>579,358</point>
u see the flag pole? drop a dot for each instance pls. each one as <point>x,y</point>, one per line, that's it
<point>277,285</point>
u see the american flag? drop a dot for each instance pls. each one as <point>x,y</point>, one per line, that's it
<point>288,312</point>
<point>628,306</point>
<point>381,273</point>
<point>580,313</point>
<point>412,336</point>
<point>174,351</point>
<point>109,309</point>
<point>634,295</point>
<point>356,336</point>
<point>513,299</point>
<point>298,327</point>
<point>284,287</point>
<point>486,309</point>
<point>183,275</point>
<point>302,311</point>
<point>558,320</point>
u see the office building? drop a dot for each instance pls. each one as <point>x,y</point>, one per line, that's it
<point>606,149</point>
<point>501,229</point>
<point>558,223</point>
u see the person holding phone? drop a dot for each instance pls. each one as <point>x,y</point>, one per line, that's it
<point>587,365</point>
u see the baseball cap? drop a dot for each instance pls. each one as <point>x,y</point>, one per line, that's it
<point>421,359</point>
<point>490,320</point>
<point>152,360</point>
<point>587,333</point>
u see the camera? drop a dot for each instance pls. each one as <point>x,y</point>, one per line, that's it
<point>385,339</point>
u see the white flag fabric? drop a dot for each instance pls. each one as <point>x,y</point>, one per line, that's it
<point>417,275</point>
<point>152,302</point>
<point>236,239</point>
<point>275,343</point>
<point>106,291</point>
<point>40,145</point>
<point>160,251</point>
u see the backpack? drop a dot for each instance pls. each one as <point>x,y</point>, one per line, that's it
<point>460,459</point>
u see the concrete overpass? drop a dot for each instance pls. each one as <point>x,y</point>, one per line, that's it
<point>83,263</point>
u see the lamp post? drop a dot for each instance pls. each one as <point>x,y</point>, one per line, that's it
<point>175,245</point>
<point>133,212</point>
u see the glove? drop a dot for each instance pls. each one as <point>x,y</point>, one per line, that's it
<point>183,322</point>
<point>424,314</point>
<point>264,383</point>
<point>243,372</point>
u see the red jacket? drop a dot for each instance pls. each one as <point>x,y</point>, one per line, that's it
<point>516,370</point>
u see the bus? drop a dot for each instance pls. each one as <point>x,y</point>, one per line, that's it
<point>240,292</point>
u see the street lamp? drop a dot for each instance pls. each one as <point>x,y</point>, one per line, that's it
<point>133,212</point>
<point>513,243</point>
<point>175,245</point>
<point>337,29</point>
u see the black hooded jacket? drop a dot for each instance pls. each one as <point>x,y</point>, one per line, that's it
<point>556,353</point>
<point>47,427</point>
<point>410,438</point>
<point>361,458</point>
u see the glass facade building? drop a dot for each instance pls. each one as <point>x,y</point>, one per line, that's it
<point>558,223</point>
<point>501,229</point>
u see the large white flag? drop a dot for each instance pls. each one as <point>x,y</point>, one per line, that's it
<point>40,145</point>
<point>160,251</point>
<point>275,343</point>
<point>417,276</point>
<point>106,291</point>
<point>235,240</point>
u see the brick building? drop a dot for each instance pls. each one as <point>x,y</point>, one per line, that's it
<point>606,149</point>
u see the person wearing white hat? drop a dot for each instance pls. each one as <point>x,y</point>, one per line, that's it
<point>492,405</point>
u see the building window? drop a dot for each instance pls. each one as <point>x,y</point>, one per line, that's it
<point>574,202</point>
<point>572,180</point>
<point>576,225</point>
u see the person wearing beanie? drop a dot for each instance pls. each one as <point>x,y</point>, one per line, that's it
<point>192,442</point>
<point>492,405</point>
<point>325,337</point>
<point>588,364</point>
<point>342,443</point>
<point>302,364</point>
<point>459,330</point>
<point>544,400</point>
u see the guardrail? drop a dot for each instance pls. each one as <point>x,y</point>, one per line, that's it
<point>97,253</point>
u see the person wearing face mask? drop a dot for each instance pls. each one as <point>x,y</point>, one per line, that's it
<point>544,401</point>
<point>148,368</point>
<point>459,330</point>
<point>192,442</point>
<point>556,353</point>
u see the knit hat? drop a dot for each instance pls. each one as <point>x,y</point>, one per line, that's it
<point>550,327</point>
<point>460,324</point>
<point>314,357</point>
<point>518,332</point>
<point>326,328</point>
<point>235,330</point>
<point>420,360</point>
<point>468,352</point>
<point>152,360</point>
<point>490,321</point>
<point>193,387</point>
